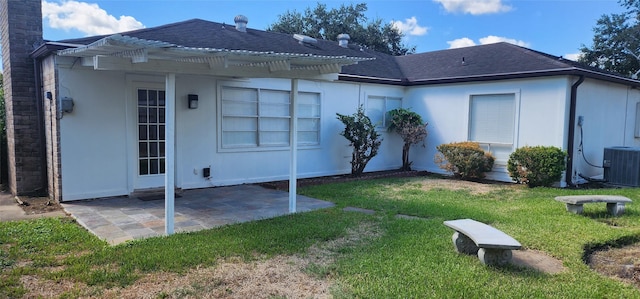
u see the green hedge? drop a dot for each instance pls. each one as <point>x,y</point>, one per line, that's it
<point>464,159</point>
<point>537,165</point>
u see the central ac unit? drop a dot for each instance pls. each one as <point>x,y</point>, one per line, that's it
<point>622,165</point>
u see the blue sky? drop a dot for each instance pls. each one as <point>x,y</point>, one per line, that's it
<point>557,27</point>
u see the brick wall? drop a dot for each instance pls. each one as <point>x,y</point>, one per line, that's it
<point>21,29</point>
<point>52,125</point>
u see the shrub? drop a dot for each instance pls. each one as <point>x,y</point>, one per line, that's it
<point>464,159</point>
<point>364,138</point>
<point>536,165</point>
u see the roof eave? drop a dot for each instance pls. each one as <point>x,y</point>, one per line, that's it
<point>48,48</point>
<point>494,77</point>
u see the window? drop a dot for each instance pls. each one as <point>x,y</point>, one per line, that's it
<point>492,118</point>
<point>492,123</point>
<point>378,108</point>
<point>308,118</point>
<point>637,130</point>
<point>254,117</point>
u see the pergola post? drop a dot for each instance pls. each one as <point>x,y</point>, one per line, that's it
<point>293,143</point>
<point>170,136</point>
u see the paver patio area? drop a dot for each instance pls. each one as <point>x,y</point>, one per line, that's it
<point>120,219</point>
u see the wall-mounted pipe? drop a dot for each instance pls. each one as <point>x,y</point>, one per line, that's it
<point>572,130</point>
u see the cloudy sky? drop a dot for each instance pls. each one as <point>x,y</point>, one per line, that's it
<point>557,27</point>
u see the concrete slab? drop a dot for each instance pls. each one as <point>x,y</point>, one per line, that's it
<point>121,219</point>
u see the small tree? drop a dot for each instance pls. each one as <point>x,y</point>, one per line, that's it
<point>362,135</point>
<point>411,128</point>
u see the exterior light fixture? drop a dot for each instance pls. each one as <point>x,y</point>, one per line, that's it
<point>193,101</point>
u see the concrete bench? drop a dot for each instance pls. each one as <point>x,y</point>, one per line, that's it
<point>615,203</point>
<point>492,246</point>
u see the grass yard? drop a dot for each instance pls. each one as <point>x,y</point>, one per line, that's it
<point>334,252</point>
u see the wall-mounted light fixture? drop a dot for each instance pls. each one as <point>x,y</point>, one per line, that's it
<point>193,101</point>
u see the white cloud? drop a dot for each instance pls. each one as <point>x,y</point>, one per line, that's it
<point>474,7</point>
<point>85,17</point>
<point>461,43</point>
<point>410,27</point>
<point>573,56</point>
<point>491,39</point>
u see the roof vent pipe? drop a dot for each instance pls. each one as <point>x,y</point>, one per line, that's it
<point>343,40</point>
<point>241,23</point>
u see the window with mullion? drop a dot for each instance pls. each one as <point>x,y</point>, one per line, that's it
<point>253,117</point>
<point>308,118</point>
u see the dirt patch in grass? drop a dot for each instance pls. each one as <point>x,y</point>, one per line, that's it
<point>38,205</point>
<point>475,188</point>
<point>620,263</point>
<point>284,185</point>
<point>276,277</point>
<point>537,260</point>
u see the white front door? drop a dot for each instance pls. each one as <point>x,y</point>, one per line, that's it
<point>150,162</point>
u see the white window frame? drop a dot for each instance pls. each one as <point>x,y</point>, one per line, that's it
<point>383,123</point>
<point>495,145</point>
<point>636,133</point>
<point>260,144</point>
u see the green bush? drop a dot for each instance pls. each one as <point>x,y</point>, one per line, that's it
<point>536,165</point>
<point>464,159</point>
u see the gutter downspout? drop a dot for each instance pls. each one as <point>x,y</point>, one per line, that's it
<point>44,181</point>
<point>572,130</point>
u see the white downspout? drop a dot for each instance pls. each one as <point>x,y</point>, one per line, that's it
<point>293,143</point>
<point>170,140</point>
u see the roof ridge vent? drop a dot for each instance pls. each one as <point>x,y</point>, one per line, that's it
<point>241,23</point>
<point>343,40</point>
<point>303,39</point>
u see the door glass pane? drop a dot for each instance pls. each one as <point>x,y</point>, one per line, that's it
<point>154,166</point>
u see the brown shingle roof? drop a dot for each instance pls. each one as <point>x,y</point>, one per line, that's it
<point>476,63</point>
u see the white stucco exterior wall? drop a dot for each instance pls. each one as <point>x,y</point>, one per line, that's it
<point>93,148</point>
<point>609,118</point>
<point>99,139</point>
<point>541,107</point>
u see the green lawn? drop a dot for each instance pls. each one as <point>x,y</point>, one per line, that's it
<point>406,258</point>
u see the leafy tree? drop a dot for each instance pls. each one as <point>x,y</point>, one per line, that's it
<point>323,23</point>
<point>616,42</point>
<point>364,138</point>
<point>411,128</point>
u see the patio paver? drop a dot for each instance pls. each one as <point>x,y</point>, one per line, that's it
<point>120,219</point>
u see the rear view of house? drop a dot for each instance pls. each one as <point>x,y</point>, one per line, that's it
<point>213,104</point>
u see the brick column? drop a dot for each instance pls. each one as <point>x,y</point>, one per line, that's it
<point>21,30</point>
